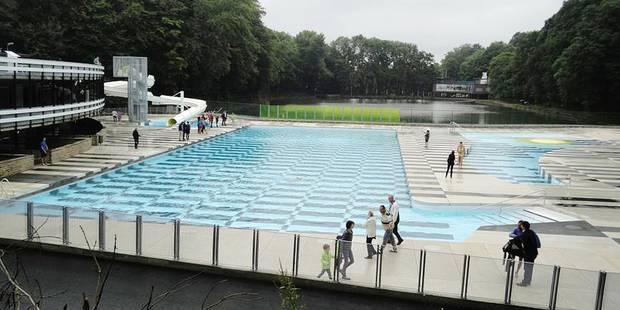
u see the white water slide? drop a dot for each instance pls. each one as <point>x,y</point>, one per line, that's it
<point>195,106</point>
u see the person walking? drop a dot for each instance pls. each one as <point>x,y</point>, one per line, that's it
<point>388,226</point>
<point>427,137</point>
<point>136,138</point>
<point>181,134</point>
<point>345,249</point>
<point>371,233</point>
<point>461,151</point>
<point>115,116</point>
<point>44,152</point>
<point>326,261</point>
<point>186,130</point>
<point>530,243</point>
<point>224,118</point>
<point>394,212</point>
<point>451,159</point>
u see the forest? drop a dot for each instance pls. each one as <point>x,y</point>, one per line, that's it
<point>220,49</point>
<point>216,49</point>
<point>573,62</point>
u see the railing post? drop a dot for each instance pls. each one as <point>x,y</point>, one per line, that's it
<point>379,267</point>
<point>138,235</point>
<point>421,271</point>
<point>336,261</point>
<point>216,246</point>
<point>465,279</point>
<point>600,290</point>
<point>297,258</point>
<point>509,278</point>
<point>177,239</point>
<point>65,225</point>
<point>294,254</point>
<point>555,278</point>
<point>101,231</point>
<point>29,221</point>
<point>255,236</point>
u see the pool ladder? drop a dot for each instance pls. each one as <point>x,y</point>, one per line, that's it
<point>6,190</point>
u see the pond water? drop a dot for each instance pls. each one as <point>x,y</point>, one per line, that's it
<point>418,111</point>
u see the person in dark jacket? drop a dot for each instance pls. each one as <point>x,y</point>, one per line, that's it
<point>136,138</point>
<point>345,249</point>
<point>530,243</point>
<point>451,159</point>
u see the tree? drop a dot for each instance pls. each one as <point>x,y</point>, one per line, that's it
<point>311,62</point>
<point>501,71</point>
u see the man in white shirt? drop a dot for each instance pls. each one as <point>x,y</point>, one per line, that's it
<point>394,211</point>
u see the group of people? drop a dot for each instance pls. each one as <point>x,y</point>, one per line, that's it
<point>524,244</point>
<point>184,130</point>
<point>390,218</point>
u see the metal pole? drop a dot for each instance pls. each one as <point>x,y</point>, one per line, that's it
<point>377,267</point>
<point>423,270</point>
<point>297,258</point>
<point>467,277</point>
<point>336,261</point>
<point>420,271</point>
<point>464,277</point>
<point>177,238</point>
<point>557,286</point>
<point>509,274</point>
<point>138,234</point>
<point>65,225</point>
<point>101,231</point>
<point>257,249</point>
<point>600,290</point>
<point>216,245</point>
<point>29,221</point>
<point>294,253</point>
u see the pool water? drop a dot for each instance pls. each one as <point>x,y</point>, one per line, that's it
<point>514,157</point>
<point>297,179</point>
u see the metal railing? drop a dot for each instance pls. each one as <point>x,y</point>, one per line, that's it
<point>411,270</point>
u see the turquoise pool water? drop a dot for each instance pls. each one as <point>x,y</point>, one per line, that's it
<point>278,178</point>
<point>514,157</point>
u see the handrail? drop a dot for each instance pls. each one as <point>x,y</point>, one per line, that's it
<point>6,189</point>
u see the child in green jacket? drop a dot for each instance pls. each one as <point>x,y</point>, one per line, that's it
<point>326,262</point>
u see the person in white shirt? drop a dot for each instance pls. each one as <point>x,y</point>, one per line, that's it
<point>388,225</point>
<point>394,211</point>
<point>371,233</point>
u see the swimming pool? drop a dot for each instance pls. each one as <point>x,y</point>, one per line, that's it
<point>296,179</point>
<point>514,157</point>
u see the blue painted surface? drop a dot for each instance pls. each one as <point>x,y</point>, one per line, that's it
<point>278,178</point>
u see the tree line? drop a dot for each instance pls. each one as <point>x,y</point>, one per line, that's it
<point>216,49</point>
<point>572,62</point>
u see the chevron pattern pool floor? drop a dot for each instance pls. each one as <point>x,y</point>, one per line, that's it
<point>277,178</point>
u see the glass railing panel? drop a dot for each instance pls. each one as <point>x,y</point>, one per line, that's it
<point>158,237</point>
<point>361,272</point>
<point>443,274</point>
<point>83,228</point>
<point>275,251</point>
<point>310,254</point>
<point>537,293</point>
<point>235,248</point>
<point>196,243</point>
<point>611,298</point>
<point>13,222</point>
<point>120,231</point>
<point>487,279</point>
<point>47,223</point>
<point>577,289</point>
<point>400,271</point>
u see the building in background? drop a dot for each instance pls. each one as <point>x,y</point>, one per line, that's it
<point>478,89</point>
<point>38,93</point>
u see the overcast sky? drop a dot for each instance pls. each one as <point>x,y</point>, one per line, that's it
<point>435,26</point>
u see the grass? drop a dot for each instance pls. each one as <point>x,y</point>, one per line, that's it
<point>329,113</point>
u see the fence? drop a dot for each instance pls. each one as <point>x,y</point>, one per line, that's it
<point>410,270</point>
